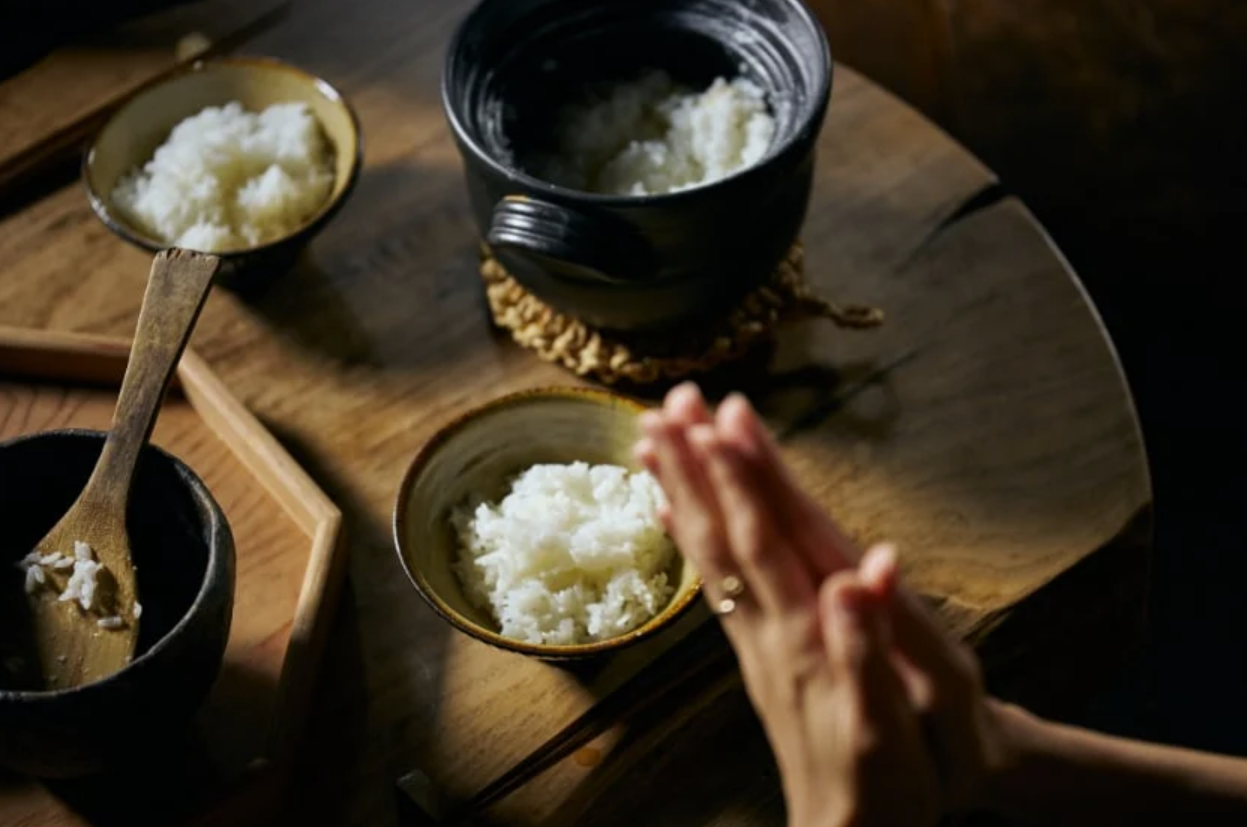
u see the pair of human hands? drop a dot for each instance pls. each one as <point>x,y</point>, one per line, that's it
<point>876,716</point>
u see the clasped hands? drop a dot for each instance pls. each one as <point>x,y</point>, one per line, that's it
<point>876,716</point>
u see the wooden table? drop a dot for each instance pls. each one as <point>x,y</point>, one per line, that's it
<point>986,429</point>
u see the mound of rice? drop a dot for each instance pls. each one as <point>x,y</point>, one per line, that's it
<point>227,178</point>
<point>651,136</point>
<point>82,584</point>
<point>572,554</point>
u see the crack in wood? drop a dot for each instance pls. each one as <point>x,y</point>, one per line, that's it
<point>985,198</point>
<point>822,411</point>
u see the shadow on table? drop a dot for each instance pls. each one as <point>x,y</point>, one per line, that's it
<point>391,282</point>
<point>178,778</point>
<point>797,396</point>
<point>348,750</point>
<point>694,763</point>
<point>333,763</point>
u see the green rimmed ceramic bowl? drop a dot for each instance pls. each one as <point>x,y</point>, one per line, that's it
<point>130,136</point>
<point>477,454</point>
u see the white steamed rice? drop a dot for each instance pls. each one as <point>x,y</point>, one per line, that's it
<point>572,554</point>
<point>81,585</point>
<point>227,178</point>
<point>651,136</point>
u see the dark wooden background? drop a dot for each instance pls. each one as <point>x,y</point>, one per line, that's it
<point>1119,122</point>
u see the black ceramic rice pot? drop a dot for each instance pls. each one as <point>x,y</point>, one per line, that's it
<point>633,262</point>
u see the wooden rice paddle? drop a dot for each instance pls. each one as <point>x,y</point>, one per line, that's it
<point>72,647</point>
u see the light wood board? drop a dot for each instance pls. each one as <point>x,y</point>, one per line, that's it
<point>50,108</point>
<point>289,566</point>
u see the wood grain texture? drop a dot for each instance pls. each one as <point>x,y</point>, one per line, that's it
<point>72,649</point>
<point>1106,117</point>
<point>964,530</point>
<point>986,427</point>
<point>51,107</point>
<point>289,568</point>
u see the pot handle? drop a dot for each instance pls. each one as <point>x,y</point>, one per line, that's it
<point>570,244</point>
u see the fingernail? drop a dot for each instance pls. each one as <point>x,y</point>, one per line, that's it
<point>878,563</point>
<point>741,418</point>
<point>736,399</point>
<point>651,422</point>
<point>684,388</point>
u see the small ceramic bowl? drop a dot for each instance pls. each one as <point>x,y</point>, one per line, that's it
<point>133,132</point>
<point>184,556</point>
<point>476,455</point>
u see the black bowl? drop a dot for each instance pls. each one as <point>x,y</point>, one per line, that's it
<point>633,262</point>
<point>184,557</point>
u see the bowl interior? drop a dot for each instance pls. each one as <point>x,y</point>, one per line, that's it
<point>477,456</point>
<point>516,64</point>
<point>133,133</point>
<point>169,523</point>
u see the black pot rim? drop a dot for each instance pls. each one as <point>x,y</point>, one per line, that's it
<point>810,121</point>
<point>217,527</point>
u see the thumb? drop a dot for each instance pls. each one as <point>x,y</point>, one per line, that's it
<point>920,639</point>
<point>856,633</point>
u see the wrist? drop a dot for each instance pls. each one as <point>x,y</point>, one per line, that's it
<point>1018,735</point>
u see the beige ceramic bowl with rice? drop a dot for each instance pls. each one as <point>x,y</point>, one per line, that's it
<point>475,461</point>
<point>246,158</point>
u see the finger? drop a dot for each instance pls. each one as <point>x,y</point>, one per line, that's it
<point>918,636</point>
<point>878,571</point>
<point>823,546</point>
<point>683,406</point>
<point>940,674</point>
<point>646,455</point>
<point>686,406</point>
<point>693,519</point>
<point>664,517</point>
<point>948,692</point>
<point>678,472</point>
<point>857,636</point>
<point>771,570</point>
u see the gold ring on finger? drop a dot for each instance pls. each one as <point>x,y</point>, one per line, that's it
<point>731,587</point>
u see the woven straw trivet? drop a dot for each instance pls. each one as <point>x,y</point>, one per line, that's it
<point>646,358</point>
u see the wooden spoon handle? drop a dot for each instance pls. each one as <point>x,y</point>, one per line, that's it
<point>177,289</point>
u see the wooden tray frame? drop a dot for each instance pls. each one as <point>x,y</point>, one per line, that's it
<point>75,357</point>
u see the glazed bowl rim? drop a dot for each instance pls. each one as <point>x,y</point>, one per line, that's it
<point>216,532</point>
<point>101,203</point>
<point>810,120</point>
<point>675,608</point>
